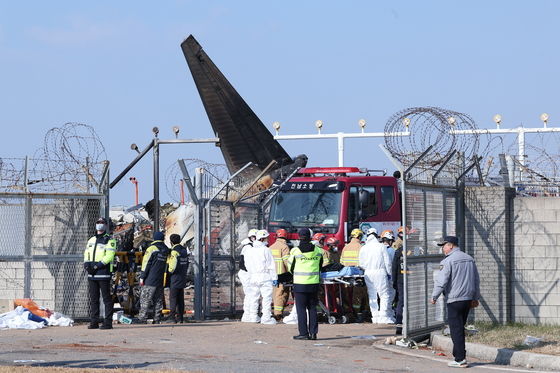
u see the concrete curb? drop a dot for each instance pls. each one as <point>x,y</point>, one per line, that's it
<point>503,356</point>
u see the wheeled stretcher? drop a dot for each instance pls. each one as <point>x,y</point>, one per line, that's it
<point>332,299</point>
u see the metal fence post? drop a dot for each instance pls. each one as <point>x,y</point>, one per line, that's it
<point>198,250</point>
<point>27,255</point>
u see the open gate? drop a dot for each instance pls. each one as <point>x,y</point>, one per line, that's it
<point>431,212</point>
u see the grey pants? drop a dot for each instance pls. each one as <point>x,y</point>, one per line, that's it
<point>152,296</point>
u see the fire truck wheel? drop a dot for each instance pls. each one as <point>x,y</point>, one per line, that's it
<point>332,320</point>
<point>344,319</point>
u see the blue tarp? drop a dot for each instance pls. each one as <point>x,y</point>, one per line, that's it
<point>344,272</point>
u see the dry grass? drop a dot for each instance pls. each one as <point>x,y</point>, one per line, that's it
<point>29,369</point>
<point>513,335</point>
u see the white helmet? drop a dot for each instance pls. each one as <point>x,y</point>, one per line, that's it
<point>371,231</point>
<point>252,232</point>
<point>388,235</point>
<point>262,234</point>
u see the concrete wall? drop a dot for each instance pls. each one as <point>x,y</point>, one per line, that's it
<point>536,260</point>
<point>515,242</point>
<point>488,232</point>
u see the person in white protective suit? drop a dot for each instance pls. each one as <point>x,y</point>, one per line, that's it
<point>374,259</point>
<point>388,239</point>
<point>247,244</point>
<point>262,277</point>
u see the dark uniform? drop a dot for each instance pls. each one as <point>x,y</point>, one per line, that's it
<point>305,263</point>
<point>153,282</point>
<point>178,264</point>
<point>397,269</point>
<point>98,262</point>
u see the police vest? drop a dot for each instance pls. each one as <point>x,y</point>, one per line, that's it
<point>307,266</point>
<point>101,249</point>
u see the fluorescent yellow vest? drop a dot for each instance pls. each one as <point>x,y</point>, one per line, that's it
<point>307,265</point>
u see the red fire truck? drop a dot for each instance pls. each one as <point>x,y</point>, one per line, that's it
<point>334,201</point>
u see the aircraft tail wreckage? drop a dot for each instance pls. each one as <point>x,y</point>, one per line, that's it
<point>243,136</point>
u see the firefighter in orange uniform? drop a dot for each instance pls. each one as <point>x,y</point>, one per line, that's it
<point>350,258</point>
<point>281,253</point>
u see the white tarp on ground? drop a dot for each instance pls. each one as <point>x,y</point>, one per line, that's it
<point>19,319</point>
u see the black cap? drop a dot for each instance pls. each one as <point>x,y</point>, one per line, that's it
<point>101,220</point>
<point>159,236</point>
<point>448,239</point>
<point>304,233</point>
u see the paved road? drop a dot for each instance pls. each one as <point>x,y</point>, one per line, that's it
<point>223,346</point>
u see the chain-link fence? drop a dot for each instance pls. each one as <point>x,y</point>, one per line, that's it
<point>42,240</point>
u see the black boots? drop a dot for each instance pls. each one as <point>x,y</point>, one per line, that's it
<point>313,336</point>
<point>93,326</point>
<point>301,337</point>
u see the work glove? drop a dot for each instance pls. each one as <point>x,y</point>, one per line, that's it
<point>141,282</point>
<point>98,265</point>
<point>275,283</point>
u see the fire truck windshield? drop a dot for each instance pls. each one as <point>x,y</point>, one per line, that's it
<point>306,208</point>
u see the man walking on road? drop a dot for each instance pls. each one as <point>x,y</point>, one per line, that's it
<point>458,280</point>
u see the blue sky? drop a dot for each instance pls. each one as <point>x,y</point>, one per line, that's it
<point>118,67</point>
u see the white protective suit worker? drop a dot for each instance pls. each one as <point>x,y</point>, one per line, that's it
<point>387,239</point>
<point>262,277</point>
<point>247,244</point>
<point>374,259</point>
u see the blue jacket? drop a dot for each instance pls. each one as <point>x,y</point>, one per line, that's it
<point>458,278</point>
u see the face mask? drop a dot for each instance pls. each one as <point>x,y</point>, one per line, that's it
<point>100,227</point>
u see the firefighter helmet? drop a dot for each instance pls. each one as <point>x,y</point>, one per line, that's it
<point>387,235</point>
<point>319,237</point>
<point>400,230</point>
<point>332,241</point>
<point>356,233</point>
<point>263,233</point>
<point>252,233</point>
<point>371,231</point>
<point>282,233</point>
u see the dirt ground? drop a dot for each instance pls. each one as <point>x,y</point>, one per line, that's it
<point>220,346</point>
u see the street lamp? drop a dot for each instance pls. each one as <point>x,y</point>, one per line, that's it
<point>155,130</point>
<point>176,130</point>
<point>544,118</point>
<point>276,126</point>
<point>319,125</point>
<point>406,122</point>
<point>497,119</point>
<point>362,124</point>
<point>134,147</point>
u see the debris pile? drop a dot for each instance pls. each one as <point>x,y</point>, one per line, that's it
<point>28,315</point>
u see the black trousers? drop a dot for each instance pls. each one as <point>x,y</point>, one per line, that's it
<point>177,303</point>
<point>457,313</point>
<point>400,305</point>
<point>307,303</point>
<point>95,287</point>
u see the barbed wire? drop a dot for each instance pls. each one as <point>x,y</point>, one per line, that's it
<point>173,175</point>
<point>430,126</point>
<point>70,160</point>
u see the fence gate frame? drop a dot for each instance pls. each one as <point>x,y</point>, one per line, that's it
<point>453,186</point>
<point>418,304</point>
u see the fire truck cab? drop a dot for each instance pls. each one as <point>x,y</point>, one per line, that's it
<point>334,201</point>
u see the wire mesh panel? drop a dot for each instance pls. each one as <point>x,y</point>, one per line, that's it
<point>12,227</point>
<point>62,226</point>
<point>430,215</point>
<point>12,279</point>
<point>42,240</point>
